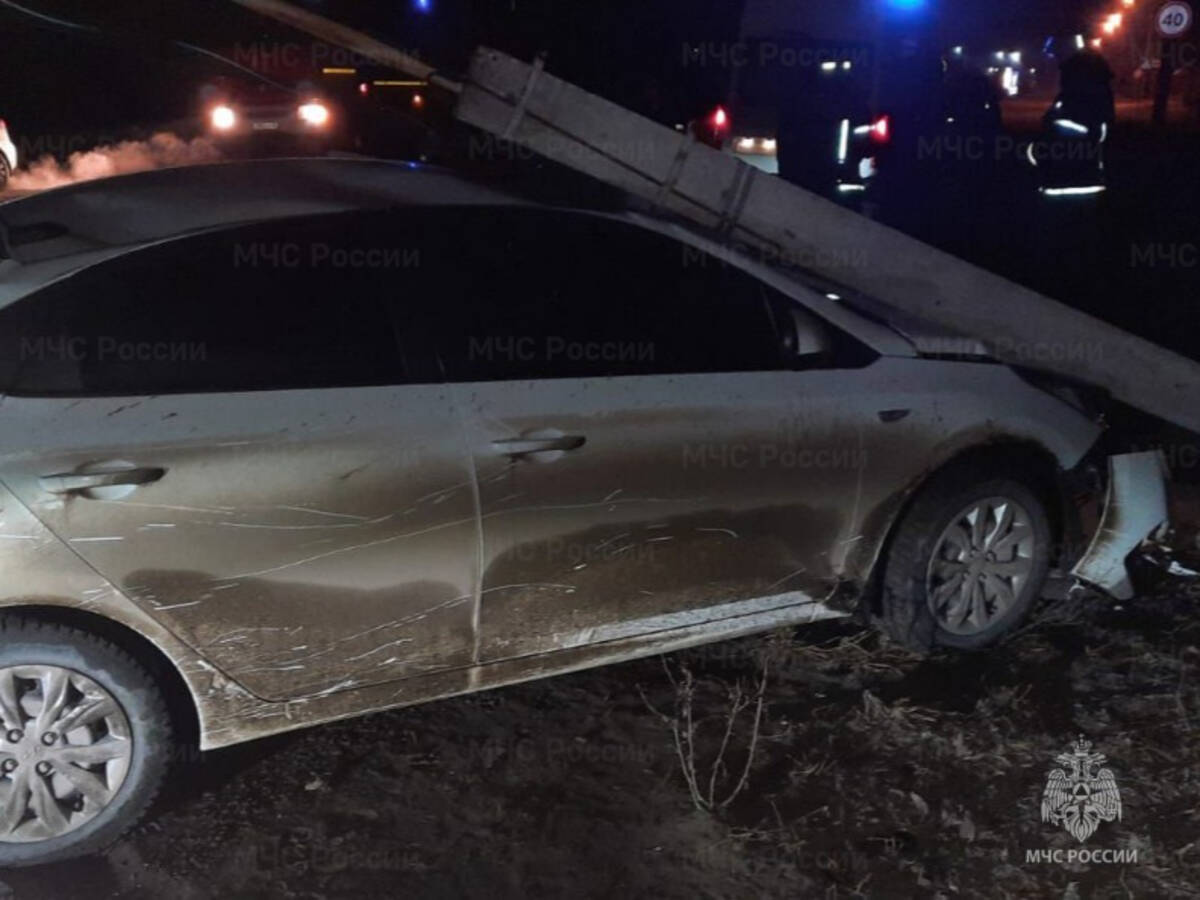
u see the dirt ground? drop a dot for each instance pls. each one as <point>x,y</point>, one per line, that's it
<point>876,773</point>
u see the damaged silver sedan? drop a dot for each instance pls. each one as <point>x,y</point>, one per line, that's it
<point>283,443</point>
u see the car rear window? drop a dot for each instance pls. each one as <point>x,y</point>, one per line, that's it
<point>262,308</point>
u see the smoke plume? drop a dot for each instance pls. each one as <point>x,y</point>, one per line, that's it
<point>160,151</point>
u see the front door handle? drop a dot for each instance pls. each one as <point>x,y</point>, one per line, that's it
<point>68,482</point>
<point>525,446</point>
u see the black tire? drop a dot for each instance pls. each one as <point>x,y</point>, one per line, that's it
<point>29,642</point>
<point>906,612</point>
<point>5,171</point>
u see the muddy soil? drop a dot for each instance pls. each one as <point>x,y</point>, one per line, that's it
<point>875,773</point>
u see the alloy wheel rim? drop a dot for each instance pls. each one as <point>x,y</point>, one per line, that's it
<point>981,564</point>
<point>65,751</point>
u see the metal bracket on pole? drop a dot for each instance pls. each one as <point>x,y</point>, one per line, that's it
<point>518,112</point>
<point>686,142</point>
<point>735,199</point>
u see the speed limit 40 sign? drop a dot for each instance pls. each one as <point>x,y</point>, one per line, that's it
<point>1174,19</point>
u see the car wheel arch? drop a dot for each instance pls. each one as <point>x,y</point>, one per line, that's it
<point>182,701</point>
<point>1028,461</point>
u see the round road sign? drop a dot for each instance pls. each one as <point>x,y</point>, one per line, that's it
<point>1174,19</point>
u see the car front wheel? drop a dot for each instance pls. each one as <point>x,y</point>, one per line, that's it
<point>969,559</point>
<point>85,744</point>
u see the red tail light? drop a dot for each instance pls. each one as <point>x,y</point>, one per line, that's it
<point>881,130</point>
<point>719,119</point>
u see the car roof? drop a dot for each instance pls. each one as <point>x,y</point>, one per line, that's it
<point>147,207</point>
<point>50,235</point>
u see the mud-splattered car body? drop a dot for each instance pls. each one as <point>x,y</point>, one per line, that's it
<point>308,552</point>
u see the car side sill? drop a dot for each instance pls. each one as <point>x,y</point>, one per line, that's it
<point>258,719</point>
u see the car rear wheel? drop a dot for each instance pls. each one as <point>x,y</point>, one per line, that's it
<point>85,745</point>
<point>968,560</point>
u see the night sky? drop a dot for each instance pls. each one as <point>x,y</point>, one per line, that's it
<point>963,20</point>
<point>54,79</point>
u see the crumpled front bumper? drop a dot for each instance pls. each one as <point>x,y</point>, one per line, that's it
<point>1134,508</point>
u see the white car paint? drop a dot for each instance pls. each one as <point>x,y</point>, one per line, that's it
<point>7,148</point>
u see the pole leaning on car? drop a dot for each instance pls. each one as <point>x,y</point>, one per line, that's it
<point>767,217</point>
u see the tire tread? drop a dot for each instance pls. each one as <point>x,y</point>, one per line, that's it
<point>16,626</point>
<point>904,614</point>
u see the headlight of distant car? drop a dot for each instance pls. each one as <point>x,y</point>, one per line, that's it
<point>222,117</point>
<point>315,114</point>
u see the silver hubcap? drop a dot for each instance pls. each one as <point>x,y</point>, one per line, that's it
<point>64,751</point>
<point>981,564</point>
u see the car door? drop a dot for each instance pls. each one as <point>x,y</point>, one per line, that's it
<point>225,429</point>
<point>646,458</point>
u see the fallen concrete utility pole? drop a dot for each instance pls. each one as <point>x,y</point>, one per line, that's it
<point>522,103</point>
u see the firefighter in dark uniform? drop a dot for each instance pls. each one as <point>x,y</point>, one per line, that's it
<point>826,86</point>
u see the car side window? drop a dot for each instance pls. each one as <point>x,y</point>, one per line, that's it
<point>416,296</point>
<point>563,295</point>
<point>262,308</point>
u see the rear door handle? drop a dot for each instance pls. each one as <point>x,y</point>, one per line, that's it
<point>68,483</point>
<point>525,446</point>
